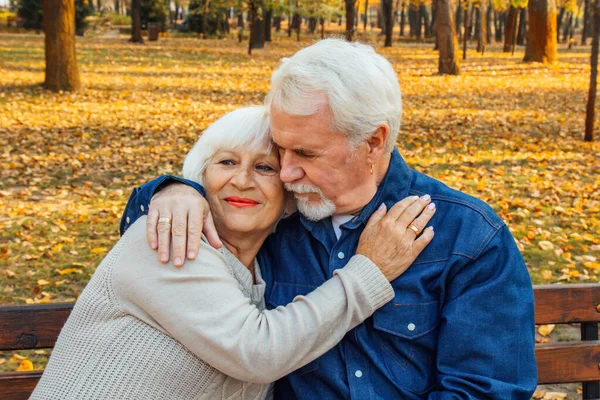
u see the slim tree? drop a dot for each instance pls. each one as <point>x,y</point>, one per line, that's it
<point>510,28</point>
<point>388,20</point>
<point>591,103</point>
<point>62,72</point>
<point>446,39</point>
<point>541,37</point>
<point>350,9</point>
<point>136,22</point>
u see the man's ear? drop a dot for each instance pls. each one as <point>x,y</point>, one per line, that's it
<point>376,143</point>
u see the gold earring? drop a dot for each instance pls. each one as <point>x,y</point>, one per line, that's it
<point>371,169</point>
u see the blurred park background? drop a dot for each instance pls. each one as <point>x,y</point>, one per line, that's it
<point>494,106</point>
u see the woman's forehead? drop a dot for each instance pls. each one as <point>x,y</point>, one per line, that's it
<point>265,150</point>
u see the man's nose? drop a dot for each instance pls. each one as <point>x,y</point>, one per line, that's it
<point>290,170</point>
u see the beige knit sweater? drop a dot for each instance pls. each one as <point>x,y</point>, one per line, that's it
<point>143,330</point>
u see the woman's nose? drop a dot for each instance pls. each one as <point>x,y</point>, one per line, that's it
<point>242,178</point>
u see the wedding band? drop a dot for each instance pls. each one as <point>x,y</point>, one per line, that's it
<point>414,229</point>
<point>164,220</point>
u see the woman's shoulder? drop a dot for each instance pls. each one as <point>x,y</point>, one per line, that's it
<point>137,257</point>
<point>136,240</point>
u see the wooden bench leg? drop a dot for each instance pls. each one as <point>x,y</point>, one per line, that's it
<point>591,390</point>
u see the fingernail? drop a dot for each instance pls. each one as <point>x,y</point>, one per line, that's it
<point>381,207</point>
<point>430,228</point>
<point>431,206</point>
<point>153,245</point>
<point>426,197</point>
<point>178,261</point>
<point>191,254</point>
<point>164,257</point>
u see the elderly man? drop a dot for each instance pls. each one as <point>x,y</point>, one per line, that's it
<point>461,324</point>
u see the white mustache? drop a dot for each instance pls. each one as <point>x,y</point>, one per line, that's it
<point>303,188</point>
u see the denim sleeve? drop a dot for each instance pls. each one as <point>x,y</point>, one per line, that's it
<point>487,336</point>
<point>139,201</point>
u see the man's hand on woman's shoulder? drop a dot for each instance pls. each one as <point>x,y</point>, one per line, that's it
<point>179,212</point>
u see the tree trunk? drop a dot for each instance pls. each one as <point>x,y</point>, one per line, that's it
<point>388,19</point>
<point>522,27</point>
<point>366,21</point>
<point>257,29</point>
<point>117,7</point>
<point>349,19</point>
<point>471,18</point>
<point>541,39</point>
<point>322,28</point>
<point>424,14</point>
<point>251,28</point>
<point>298,26</point>
<point>268,22</point>
<point>501,25</point>
<point>568,27</point>
<point>446,39</point>
<point>402,19</point>
<point>586,22</point>
<point>418,23</point>
<point>559,20</point>
<point>312,25</point>
<point>466,29</point>
<point>62,72</point>
<point>290,24</point>
<point>591,103</point>
<point>488,23</point>
<point>480,29</point>
<point>459,15</point>
<point>509,28</point>
<point>136,22</point>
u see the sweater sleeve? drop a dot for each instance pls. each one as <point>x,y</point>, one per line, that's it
<point>201,306</point>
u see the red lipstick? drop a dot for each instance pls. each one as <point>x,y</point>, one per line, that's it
<point>241,202</point>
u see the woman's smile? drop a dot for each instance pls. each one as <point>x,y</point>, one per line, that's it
<point>241,202</point>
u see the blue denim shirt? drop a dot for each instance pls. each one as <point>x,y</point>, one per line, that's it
<point>460,326</point>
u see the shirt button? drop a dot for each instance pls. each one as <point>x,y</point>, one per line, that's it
<point>411,327</point>
<point>128,220</point>
<point>142,208</point>
<point>341,255</point>
<point>358,373</point>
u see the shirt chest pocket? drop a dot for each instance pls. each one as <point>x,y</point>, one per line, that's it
<point>407,335</point>
<point>283,294</point>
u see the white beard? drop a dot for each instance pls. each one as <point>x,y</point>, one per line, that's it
<point>314,212</point>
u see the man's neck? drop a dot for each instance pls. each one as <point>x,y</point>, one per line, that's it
<point>379,171</point>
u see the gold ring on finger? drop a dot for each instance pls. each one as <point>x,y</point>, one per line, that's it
<point>164,220</point>
<point>414,229</point>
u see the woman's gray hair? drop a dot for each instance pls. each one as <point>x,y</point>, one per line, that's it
<point>359,86</point>
<point>246,127</point>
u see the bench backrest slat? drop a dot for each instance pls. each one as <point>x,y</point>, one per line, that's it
<point>562,304</point>
<point>32,327</point>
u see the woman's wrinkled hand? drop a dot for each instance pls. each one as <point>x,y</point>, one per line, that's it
<point>393,240</point>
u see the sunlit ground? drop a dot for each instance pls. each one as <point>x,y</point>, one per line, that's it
<point>507,132</point>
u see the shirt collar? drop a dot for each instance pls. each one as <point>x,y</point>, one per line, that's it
<point>393,188</point>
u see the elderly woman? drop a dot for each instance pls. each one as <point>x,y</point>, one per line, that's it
<point>143,331</point>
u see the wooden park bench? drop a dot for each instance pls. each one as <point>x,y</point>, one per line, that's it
<point>37,327</point>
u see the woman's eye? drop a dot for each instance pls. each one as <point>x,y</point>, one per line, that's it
<point>264,168</point>
<point>226,162</point>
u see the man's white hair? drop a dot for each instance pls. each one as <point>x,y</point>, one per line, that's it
<point>246,127</point>
<point>360,87</point>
